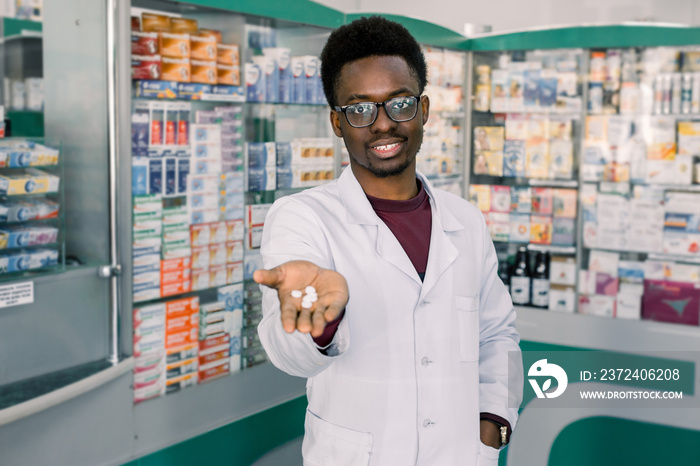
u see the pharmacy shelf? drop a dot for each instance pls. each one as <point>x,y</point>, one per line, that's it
<point>657,256</point>
<point>445,114</point>
<point>555,113</point>
<point>553,249</point>
<point>674,258</point>
<point>604,333</point>
<point>553,183</point>
<point>691,188</point>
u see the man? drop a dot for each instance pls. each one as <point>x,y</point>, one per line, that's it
<point>405,335</point>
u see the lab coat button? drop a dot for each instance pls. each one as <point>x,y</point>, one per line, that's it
<point>425,361</point>
<point>428,423</point>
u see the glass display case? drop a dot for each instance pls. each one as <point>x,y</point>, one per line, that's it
<point>525,127</point>
<point>228,114</point>
<point>21,67</point>
<point>31,217</point>
<point>586,150</point>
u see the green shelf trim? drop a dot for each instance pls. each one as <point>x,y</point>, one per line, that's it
<point>26,123</point>
<point>241,442</point>
<point>300,11</point>
<point>424,31</point>
<point>608,441</point>
<point>14,27</point>
<point>588,37</point>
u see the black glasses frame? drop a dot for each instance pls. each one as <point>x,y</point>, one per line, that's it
<point>344,109</point>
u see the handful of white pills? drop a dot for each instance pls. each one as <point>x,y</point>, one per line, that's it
<point>308,297</point>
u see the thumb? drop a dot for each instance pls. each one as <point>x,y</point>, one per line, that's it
<point>271,278</point>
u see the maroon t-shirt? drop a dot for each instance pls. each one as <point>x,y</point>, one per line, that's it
<point>410,221</point>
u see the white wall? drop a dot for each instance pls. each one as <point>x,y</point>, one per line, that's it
<point>505,15</point>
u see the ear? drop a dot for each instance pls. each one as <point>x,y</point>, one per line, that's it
<point>425,107</point>
<point>335,123</point>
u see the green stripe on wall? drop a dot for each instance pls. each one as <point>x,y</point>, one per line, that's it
<point>236,444</point>
<point>301,11</point>
<point>424,31</point>
<point>588,37</point>
<point>611,441</point>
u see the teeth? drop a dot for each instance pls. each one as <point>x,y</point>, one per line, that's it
<point>387,147</point>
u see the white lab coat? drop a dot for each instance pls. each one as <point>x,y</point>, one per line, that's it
<point>416,362</point>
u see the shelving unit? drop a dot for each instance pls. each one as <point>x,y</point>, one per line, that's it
<point>584,46</point>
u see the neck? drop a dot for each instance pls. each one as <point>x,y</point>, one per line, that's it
<point>395,188</point>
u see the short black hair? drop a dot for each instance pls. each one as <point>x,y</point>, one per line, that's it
<point>369,37</point>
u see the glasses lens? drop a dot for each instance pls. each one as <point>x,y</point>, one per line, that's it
<point>402,108</point>
<point>362,114</point>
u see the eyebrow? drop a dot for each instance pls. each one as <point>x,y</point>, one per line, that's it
<point>366,98</point>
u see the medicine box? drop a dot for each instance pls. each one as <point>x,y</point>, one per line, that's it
<point>282,57</point>
<point>228,74</point>
<point>225,93</point>
<point>29,209</point>
<point>235,272</point>
<point>203,47</point>
<point>268,65</point>
<point>263,179</point>
<point>146,67</point>
<point>311,66</point>
<point>204,72</point>
<point>157,89</point>
<point>192,91</point>
<point>174,45</point>
<point>18,154</point>
<point>228,54</point>
<point>261,154</point>
<point>28,181</point>
<point>255,82</point>
<point>298,80</point>
<point>145,43</point>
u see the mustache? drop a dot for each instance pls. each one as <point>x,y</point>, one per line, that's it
<point>392,135</point>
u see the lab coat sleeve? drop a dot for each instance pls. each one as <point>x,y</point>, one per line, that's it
<point>500,361</point>
<point>293,232</point>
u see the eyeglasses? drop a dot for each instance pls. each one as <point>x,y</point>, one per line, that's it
<point>363,114</point>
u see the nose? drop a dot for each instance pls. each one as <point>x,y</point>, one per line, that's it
<point>383,123</point>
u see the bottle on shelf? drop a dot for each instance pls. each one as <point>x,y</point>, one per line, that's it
<point>540,281</point>
<point>520,278</point>
<point>504,266</point>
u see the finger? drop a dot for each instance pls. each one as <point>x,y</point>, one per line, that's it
<point>318,321</point>
<point>271,278</point>
<point>304,320</point>
<point>333,310</point>
<point>288,311</point>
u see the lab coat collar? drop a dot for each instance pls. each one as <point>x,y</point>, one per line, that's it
<point>359,210</point>
<point>442,251</point>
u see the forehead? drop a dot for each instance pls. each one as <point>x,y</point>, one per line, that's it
<point>375,78</point>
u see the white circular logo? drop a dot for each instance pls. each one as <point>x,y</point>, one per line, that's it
<point>542,368</point>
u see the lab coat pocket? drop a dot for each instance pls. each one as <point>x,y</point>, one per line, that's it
<point>488,456</point>
<point>327,444</point>
<point>468,327</point>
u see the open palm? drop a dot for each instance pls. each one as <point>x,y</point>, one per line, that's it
<point>331,288</point>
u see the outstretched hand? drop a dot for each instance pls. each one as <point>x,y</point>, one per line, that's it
<point>331,288</point>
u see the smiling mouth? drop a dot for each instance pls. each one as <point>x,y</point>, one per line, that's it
<point>387,150</point>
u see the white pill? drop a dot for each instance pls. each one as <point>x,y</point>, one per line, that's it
<point>310,290</point>
<point>306,304</point>
<point>311,297</point>
<point>296,293</point>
